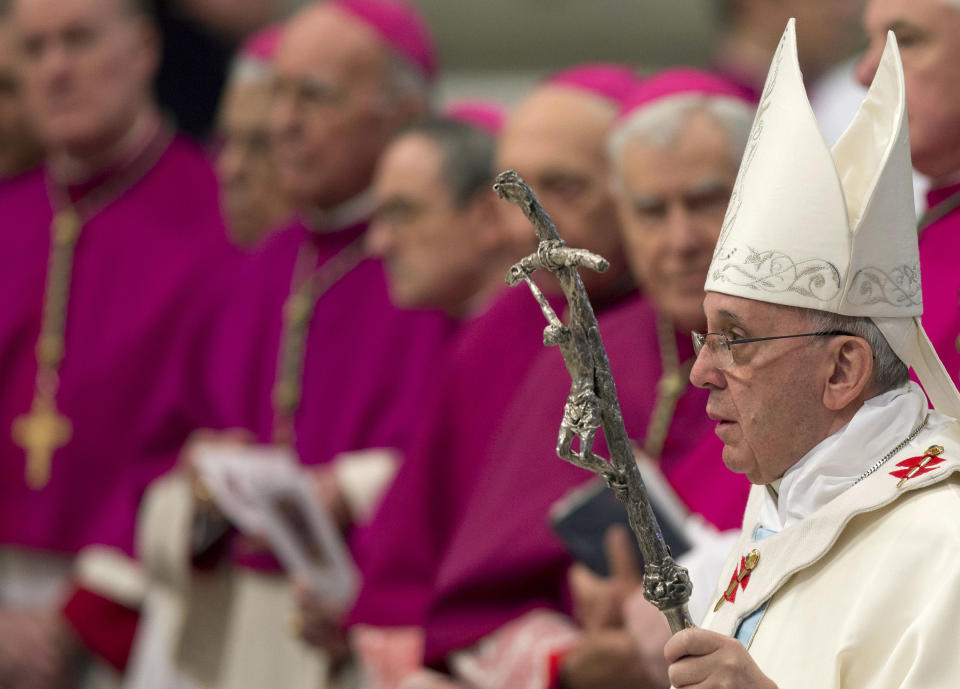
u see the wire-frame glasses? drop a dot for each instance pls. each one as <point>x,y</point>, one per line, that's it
<point>721,346</point>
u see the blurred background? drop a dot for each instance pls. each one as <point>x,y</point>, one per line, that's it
<point>496,48</point>
<point>489,48</point>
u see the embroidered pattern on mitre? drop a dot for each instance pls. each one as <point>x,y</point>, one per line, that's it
<point>821,229</point>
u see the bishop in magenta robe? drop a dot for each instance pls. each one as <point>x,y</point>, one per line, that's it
<point>140,260</point>
<point>304,348</point>
<point>490,356</point>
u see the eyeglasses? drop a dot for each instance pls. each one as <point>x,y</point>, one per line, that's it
<point>721,346</point>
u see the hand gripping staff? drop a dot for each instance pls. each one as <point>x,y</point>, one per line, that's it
<point>592,403</point>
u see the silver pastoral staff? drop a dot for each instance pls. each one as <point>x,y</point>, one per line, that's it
<point>592,403</point>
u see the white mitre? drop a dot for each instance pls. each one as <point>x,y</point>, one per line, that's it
<point>832,230</point>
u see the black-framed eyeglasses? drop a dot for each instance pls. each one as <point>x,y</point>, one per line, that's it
<point>721,346</point>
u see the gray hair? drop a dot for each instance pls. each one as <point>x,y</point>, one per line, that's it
<point>466,155</point>
<point>889,371</point>
<point>661,123</point>
<point>246,70</point>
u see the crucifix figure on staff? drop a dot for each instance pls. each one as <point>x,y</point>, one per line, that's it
<point>592,403</point>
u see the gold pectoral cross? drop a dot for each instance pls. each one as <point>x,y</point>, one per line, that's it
<point>40,433</point>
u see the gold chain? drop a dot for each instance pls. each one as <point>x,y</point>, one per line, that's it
<point>672,384</point>
<point>306,288</point>
<point>44,430</point>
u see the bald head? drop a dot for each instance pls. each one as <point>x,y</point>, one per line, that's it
<point>326,39</point>
<point>557,113</point>
<point>555,139</point>
<point>335,105</point>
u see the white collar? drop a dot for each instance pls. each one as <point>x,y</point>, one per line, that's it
<point>341,216</point>
<point>837,461</point>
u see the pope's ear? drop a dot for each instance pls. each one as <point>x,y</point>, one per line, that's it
<point>852,371</point>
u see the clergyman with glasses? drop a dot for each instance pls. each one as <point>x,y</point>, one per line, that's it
<point>847,569</point>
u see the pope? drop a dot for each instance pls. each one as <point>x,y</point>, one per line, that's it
<point>813,311</point>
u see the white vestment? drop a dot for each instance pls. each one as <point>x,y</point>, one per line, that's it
<point>860,584</point>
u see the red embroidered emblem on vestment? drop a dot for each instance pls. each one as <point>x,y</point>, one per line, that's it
<point>918,466</point>
<point>741,576</point>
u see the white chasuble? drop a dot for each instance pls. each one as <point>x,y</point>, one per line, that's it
<point>864,592</point>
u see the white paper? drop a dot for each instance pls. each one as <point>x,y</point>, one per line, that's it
<point>266,493</point>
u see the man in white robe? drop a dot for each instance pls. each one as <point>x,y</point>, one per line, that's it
<point>847,569</point>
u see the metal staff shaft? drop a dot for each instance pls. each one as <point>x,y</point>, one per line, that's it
<point>592,403</point>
